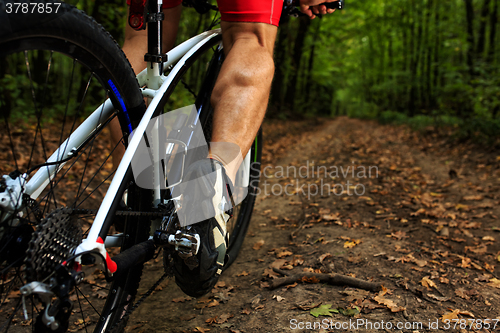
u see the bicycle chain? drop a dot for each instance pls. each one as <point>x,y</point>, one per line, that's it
<point>139,302</point>
<point>121,212</point>
<point>56,238</point>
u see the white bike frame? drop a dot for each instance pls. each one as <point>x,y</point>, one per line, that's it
<point>157,84</point>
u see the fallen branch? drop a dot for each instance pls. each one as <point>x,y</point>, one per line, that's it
<point>333,279</point>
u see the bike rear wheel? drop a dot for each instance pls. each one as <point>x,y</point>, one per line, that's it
<point>55,69</point>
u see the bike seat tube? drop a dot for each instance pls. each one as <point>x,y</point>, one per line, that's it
<point>155,55</point>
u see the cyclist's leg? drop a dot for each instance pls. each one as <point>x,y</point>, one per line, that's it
<point>241,93</point>
<point>239,98</point>
<point>135,47</point>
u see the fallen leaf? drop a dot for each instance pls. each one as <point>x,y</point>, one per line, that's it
<point>330,217</point>
<point>420,262</point>
<point>488,238</point>
<point>311,279</point>
<point>349,312</point>
<point>181,299</point>
<point>355,294</point>
<point>244,273</point>
<point>278,298</point>
<point>278,263</point>
<point>399,235</point>
<point>462,293</point>
<point>494,282</point>
<point>284,254</point>
<point>220,284</point>
<point>246,311</point>
<point>297,261</point>
<point>101,294</point>
<point>439,298</point>
<point>323,310</point>
<point>428,283</point>
<point>213,303</point>
<point>264,284</point>
<point>481,249</point>
<point>324,256</point>
<point>201,329</point>
<point>473,197</point>
<point>223,318</point>
<point>465,262</point>
<point>258,245</point>
<point>352,243</point>
<point>370,305</point>
<point>444,280</point>
<point>450,315</point>
<point>389,303</point>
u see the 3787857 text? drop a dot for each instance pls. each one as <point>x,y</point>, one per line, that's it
<point>34,7</point>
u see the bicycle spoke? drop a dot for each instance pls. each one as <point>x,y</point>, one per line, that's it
<point>88,301</point>
<point>9,321</point>
<point>38,112</point>
<point>7,127</point>
<point>91,145</point>
<point>81,310</point>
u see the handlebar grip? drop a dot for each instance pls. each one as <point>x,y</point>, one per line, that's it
<point>334,5</point>
<point>330,5</point>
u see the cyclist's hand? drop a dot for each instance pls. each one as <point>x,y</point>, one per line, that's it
<point>314,7</point>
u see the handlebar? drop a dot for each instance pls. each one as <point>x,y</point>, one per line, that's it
<point>290,7</point>
<point>330,5</point>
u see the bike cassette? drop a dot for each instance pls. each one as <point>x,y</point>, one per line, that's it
<point>54,241</point>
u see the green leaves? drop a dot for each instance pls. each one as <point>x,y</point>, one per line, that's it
<point>323,310</point>
<point>326,310</point>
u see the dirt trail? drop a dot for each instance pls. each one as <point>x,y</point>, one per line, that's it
<point>417,215</point>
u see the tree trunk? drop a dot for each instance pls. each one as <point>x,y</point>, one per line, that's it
<point>481,38</point>
<point>309,81</point>
<point>296,58</point>
<point>493,29</point>
<point>416,42</point>
<point>469,12</point>
<point>426,65</point>
<point>280,60</point>
<point>436,53</point>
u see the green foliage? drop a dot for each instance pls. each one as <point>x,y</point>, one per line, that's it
<point>400,61</point>
<point>323,310</point>
<point>326,310</point>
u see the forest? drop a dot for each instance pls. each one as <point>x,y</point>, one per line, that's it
<point>404,61</point>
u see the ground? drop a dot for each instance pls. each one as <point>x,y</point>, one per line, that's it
<point>412,211</point>
<point>415,213</point>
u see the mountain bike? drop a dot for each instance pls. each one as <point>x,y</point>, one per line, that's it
<point>65,210</point>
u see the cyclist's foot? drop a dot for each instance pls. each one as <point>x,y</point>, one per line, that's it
<point>207,199</point>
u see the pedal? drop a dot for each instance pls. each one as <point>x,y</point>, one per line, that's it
<point>185,244</point>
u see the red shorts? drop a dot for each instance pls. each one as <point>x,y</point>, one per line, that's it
<point>262,11</point>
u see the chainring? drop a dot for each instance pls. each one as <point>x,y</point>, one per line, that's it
<point>55,240</point>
